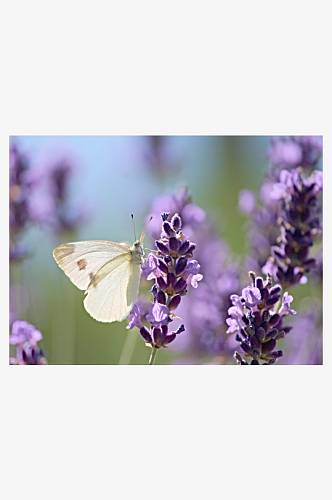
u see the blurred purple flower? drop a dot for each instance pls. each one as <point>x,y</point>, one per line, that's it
<point>300,222</point>
<point>247,201</point>
<point>305,345</point>
<point>50,202</point>
<point>20,216</point>
<point>22,331</point>
<point>265,218</point>
<point>294,151</point>
<point>160,157</point>
<point>25,336</point>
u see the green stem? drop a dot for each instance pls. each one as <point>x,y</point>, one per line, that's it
<point>128,348</point>
<point>153,355</point>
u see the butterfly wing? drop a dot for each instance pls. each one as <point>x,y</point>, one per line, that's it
<point>82,260</point>
<point>112,292</point>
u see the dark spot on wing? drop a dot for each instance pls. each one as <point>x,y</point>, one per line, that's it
<point>91,275</point>
<point>82,264</point>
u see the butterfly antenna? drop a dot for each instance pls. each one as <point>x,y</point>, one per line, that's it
<point>132,218</point>
<point>143,233</point>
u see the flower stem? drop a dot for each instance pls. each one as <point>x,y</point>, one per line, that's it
<point>153,355</point>
<point>128,348</point>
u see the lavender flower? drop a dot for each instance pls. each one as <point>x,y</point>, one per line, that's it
<point>205,311</point>
<point>257,326</point>
<point>305,345</point>
<point>160,158</point>
<point>25,336</point>
<point>263,233</point>
<point>49,182</point>
<point>20,216</point>
<point>299,222</point>
<point>295,151</point>
<point>173,269</point>
<point>176,202</point>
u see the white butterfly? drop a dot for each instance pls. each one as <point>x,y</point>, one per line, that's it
<point>108,272</point>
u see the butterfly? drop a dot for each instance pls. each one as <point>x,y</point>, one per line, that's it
<point>108,272</point>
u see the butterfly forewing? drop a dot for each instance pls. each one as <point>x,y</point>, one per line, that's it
<point>82,260</point>
<point>108,272</point>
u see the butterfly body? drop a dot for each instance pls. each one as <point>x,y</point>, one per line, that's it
<point>108,272</point>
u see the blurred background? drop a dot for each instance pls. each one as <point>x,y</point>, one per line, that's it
<point>83,188</point>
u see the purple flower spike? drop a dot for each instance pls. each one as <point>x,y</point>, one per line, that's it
<point>299,217</point>
<point>258,330</point>
<point>172,271</point>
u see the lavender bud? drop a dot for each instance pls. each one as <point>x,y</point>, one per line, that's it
<point>156,332</point>
<point>165,216</point>
<point>274,319</point>
<point>173,244</point>
<point>146,335</point>
<point>162,266</point>
<point>191,248</point>
<point>180,266</point>
<point>259,283</point>
<point>179,285</point>
<point>174,302</point>
<point>161,297</point>
<point>161,283</point>
<point>180,330</point>
<point>255,343</point>
<point>268,346</point>
<point>162,247</point>
<point>169,338</point>
<point>272,334</point>
<point>170,278</point>
<point>176,222</point>
<point>183,247</point>
<point>260,334</point>
<point>168,228</point>
<point>272,300</point>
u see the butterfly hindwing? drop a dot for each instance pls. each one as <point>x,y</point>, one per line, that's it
<point>112,292</point>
